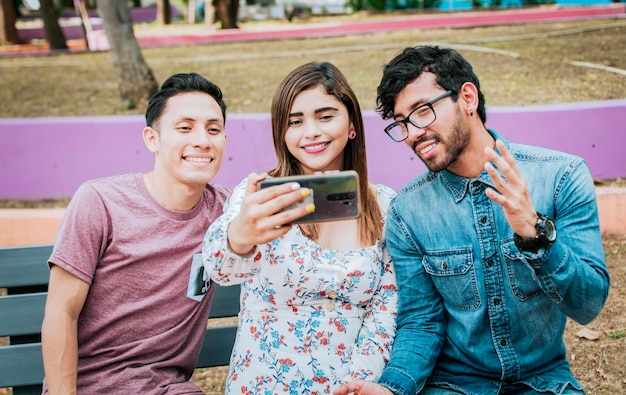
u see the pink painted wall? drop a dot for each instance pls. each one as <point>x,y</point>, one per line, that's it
<point>50,157</point>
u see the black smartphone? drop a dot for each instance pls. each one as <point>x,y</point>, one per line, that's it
<point>336,195</point>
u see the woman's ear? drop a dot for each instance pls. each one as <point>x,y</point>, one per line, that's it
<point>351,132</point>
<point>151,139</point>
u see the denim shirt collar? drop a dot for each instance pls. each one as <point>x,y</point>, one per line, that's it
<point>459,186</point>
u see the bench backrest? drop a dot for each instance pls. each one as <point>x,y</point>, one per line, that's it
<point>24,275</point>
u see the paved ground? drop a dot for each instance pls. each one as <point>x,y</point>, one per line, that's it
<point>416,21</point>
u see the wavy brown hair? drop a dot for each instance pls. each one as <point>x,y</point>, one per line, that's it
<point>325,74</point>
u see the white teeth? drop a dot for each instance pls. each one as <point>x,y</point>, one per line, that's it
<point>427,149</point>
<point>315,147</point>
<point>197,160</point>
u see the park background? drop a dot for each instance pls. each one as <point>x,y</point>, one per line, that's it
<point>62,122</point>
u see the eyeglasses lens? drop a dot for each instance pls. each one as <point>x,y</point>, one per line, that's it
<point>421,117</point>
<point>398,132</point>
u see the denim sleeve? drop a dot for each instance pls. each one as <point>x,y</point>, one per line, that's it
<point>420,324</point>
<point>573,272</point>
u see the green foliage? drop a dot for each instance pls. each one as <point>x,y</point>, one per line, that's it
<point>130,105</point>
<point>378,5</point>
<point>357,5</point>
<point>419,4</point>
<point>432,4</point>
<point>381,5</point>
<point>617,334</point>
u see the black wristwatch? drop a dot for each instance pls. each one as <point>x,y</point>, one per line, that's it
<point>546,234</point>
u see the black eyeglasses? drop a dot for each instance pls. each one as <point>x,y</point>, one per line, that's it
<point>423,116</point>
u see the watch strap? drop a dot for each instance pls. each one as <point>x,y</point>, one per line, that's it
<point>533,244</point>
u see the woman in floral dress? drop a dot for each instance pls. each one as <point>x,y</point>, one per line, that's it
<point>318,301</point>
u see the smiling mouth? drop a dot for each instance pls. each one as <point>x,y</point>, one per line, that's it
<point>315,147</point>
<point>196,159</point>
<point>428,148</point>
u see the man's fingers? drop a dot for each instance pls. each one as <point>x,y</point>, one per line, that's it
<point>504,151</point>
<point>498,182</point>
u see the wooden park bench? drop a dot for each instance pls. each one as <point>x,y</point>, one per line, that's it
<point>23,289</point>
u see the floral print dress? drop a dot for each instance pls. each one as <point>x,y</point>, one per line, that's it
<point>312,318</point>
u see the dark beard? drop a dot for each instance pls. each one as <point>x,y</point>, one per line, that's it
<point>455,143</point>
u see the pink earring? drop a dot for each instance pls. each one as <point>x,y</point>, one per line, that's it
<point>352,135</point>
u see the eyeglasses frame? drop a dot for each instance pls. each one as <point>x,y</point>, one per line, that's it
<point>407,118</point>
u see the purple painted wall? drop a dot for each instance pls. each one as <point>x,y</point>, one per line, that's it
<point>50,157</point>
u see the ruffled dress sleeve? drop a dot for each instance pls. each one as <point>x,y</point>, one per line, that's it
<point>223,265</point>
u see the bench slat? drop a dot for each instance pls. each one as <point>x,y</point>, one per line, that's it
<point>217,346</point>
<point>24,266</point>
<point>225,301</point>
<point>28,390</point>
<point>24,272</point>
<point>22,314</point>
<point>21,364</point>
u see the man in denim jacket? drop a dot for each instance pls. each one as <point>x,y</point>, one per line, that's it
<point>494,247</point>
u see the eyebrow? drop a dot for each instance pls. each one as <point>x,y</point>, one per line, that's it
<point>192,119</point>
<point>418,103</point>
<point>317,111</point>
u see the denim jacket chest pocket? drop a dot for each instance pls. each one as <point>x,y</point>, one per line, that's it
<point>524,284</point>
<point>454,276</point>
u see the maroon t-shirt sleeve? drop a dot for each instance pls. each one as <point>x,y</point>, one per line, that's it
<point>81,239</point>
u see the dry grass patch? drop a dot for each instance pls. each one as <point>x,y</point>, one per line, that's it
<point>82,84</point>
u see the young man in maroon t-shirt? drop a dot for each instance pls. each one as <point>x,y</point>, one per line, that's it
<point>128,301</point>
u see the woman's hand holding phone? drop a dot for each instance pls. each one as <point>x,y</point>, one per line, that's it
<point>262,218</point>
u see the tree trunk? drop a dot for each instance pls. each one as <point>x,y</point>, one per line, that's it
<point>234,13</point>
<point>135,80</point>
<point>226,12</point>
<point>8,30</point>
<point>54,33</point>
<point>164,15</point>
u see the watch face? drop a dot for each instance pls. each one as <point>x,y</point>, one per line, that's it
<point>550,229</point>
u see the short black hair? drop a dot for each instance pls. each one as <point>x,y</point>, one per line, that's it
<point>182,83</point>
<point>450,68</point>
